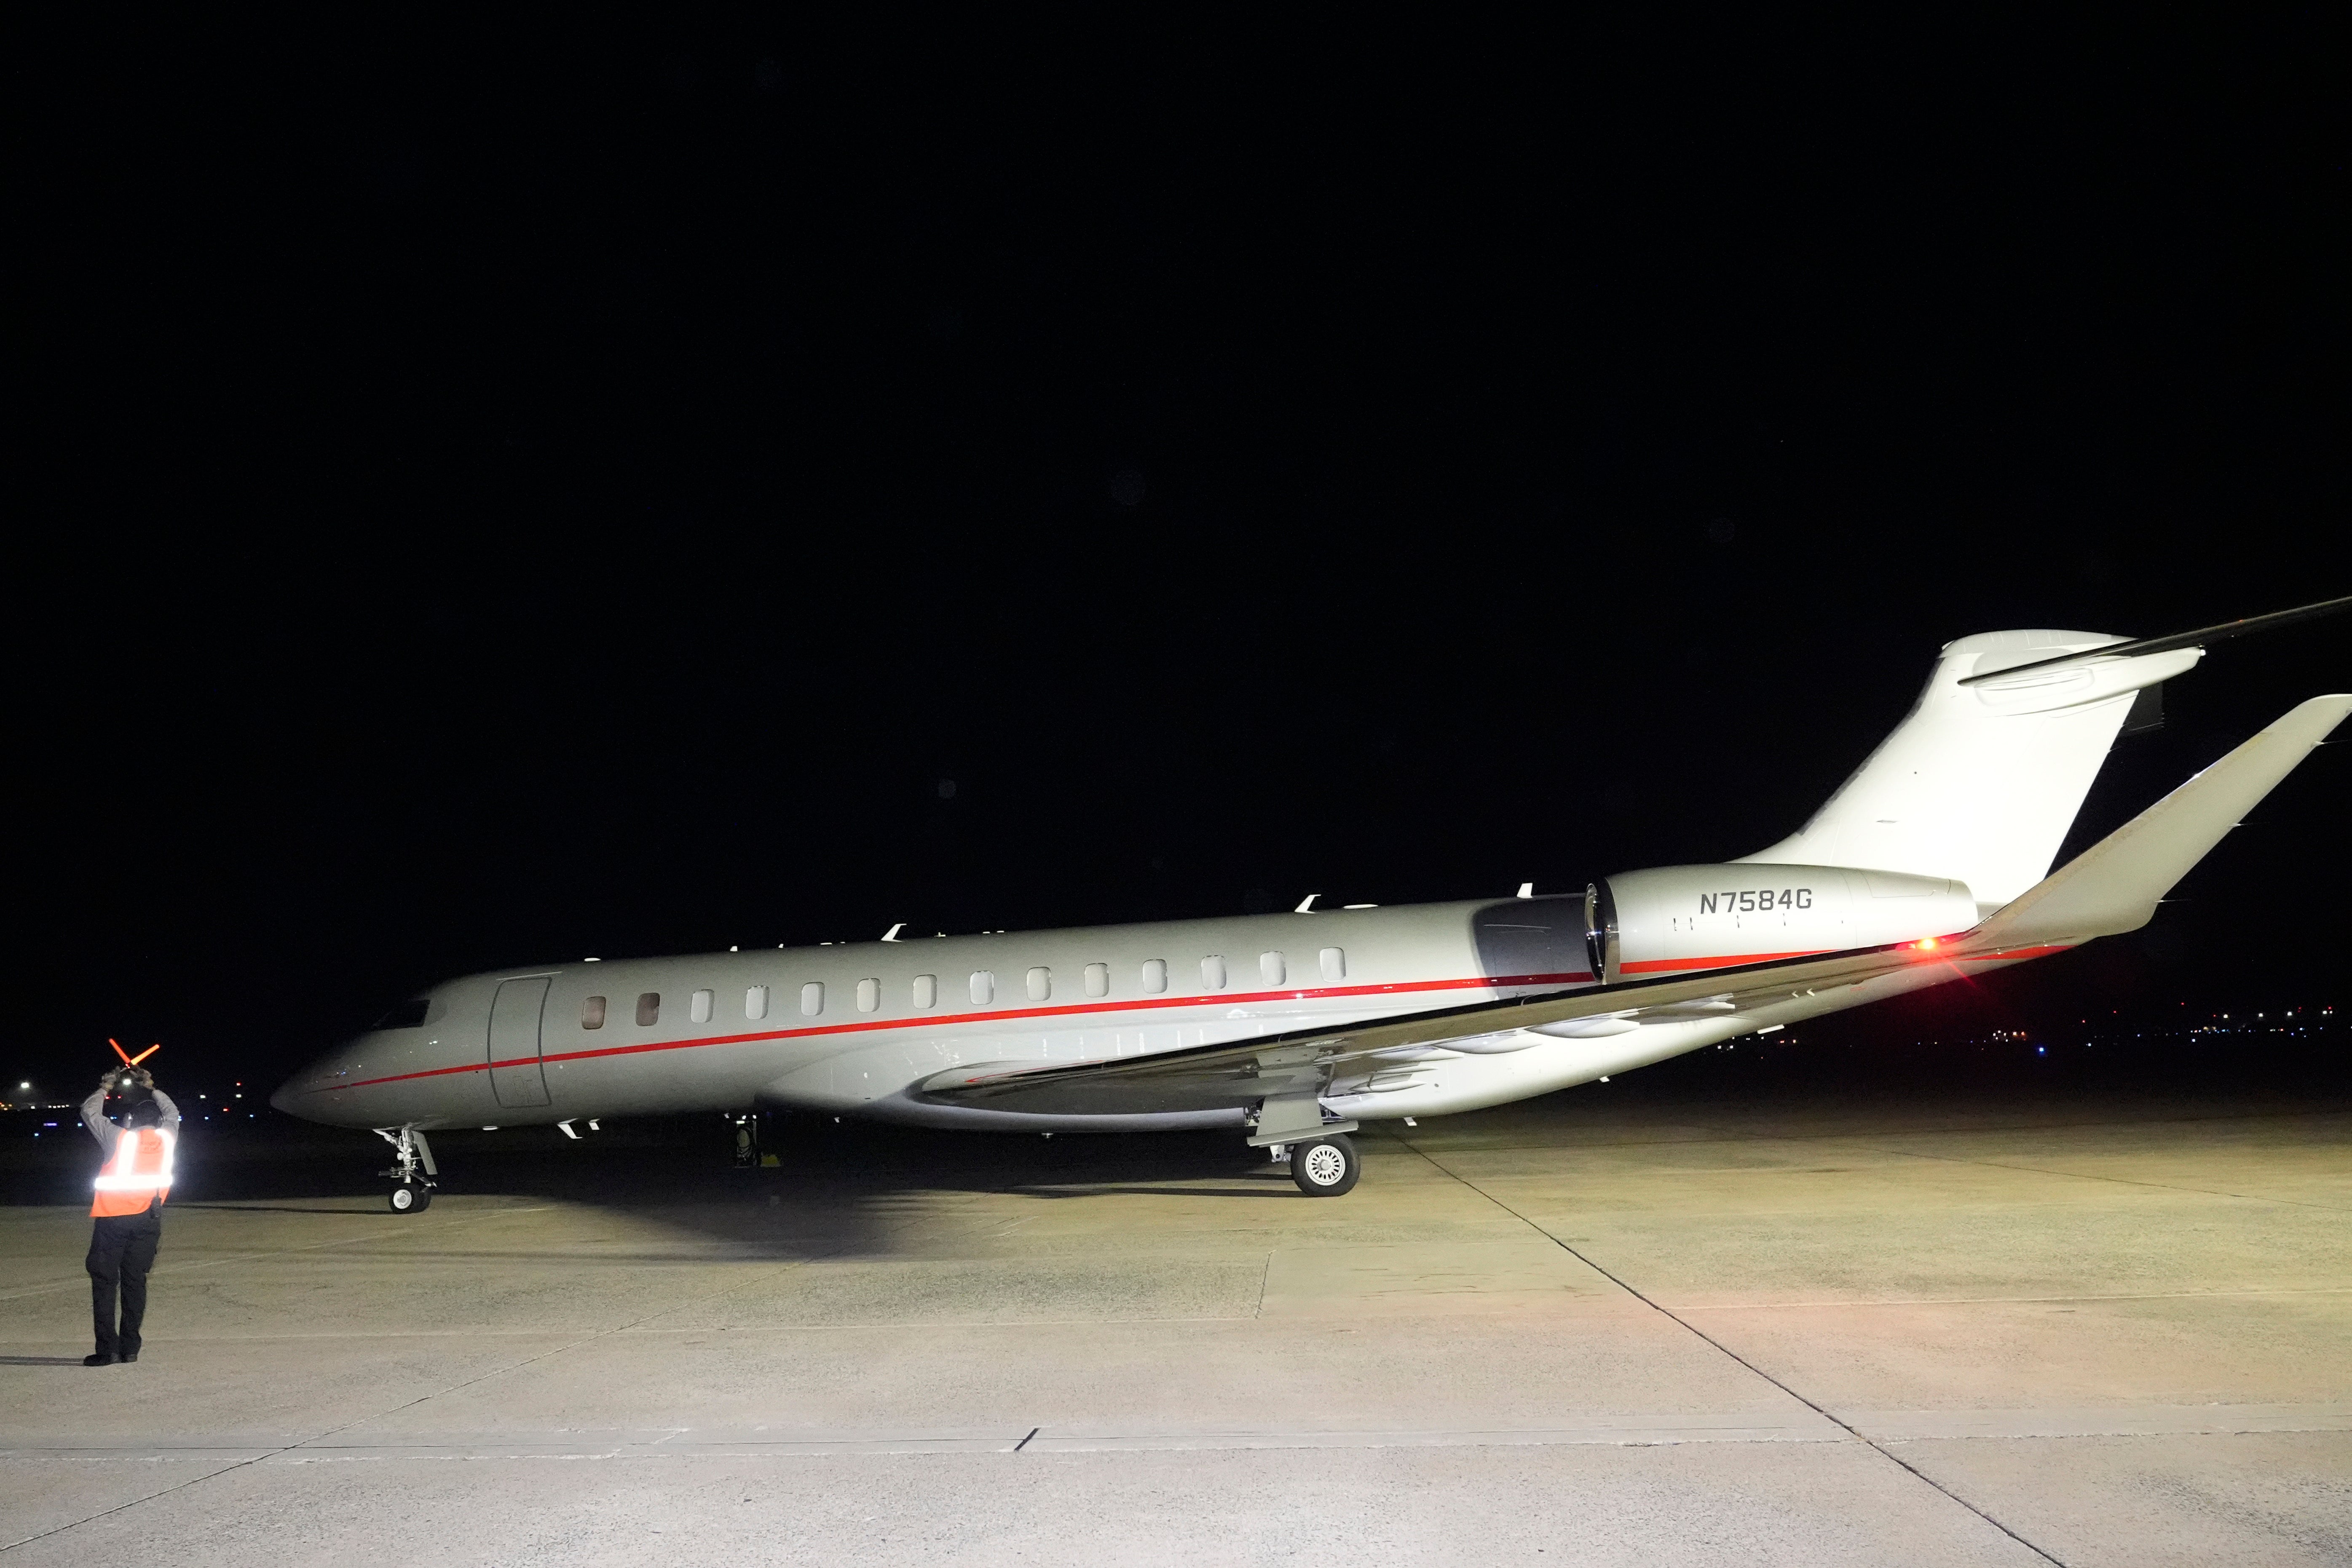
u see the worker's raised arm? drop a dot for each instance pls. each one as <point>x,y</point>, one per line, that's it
<point>93,1116</point>
<point>170,1112</point>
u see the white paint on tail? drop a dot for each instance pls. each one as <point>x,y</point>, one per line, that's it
<point>1980,783</point>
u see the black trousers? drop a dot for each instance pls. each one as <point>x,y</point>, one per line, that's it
<point>121,1250</point>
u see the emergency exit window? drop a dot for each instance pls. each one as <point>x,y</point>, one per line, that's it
<point>1271,968</point>
<point>755,1002</point>
<point>1041,983</point>
<point>1097,979</point>
<point>812,997</point>
<point>592,1013</point>
<point>927,990</point>
<point>648,1010</point>
<point>983,988</point>
<point>1335,965</point>
<point>869,995</point>
<point>697,1006</point>
<point>1155,975</point>
<point>1213,973</point>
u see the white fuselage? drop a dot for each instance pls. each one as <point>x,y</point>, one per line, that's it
<point>853,1027</point>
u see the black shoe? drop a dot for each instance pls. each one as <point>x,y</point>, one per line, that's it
<point>126,1359</point>
<point>98,1358</point>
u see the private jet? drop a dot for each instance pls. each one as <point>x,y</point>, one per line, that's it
<point>1931,864</point>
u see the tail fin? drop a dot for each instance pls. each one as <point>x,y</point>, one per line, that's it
<point>2115,885</point>
<point>1979,782</point>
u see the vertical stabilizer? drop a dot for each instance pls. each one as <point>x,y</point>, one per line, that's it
<point>1979,782</point>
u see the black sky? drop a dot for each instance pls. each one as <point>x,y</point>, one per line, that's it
<point>495,494</point>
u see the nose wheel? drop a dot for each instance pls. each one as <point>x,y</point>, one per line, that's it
<point>412,1170</point>
<point>1326,1166</point>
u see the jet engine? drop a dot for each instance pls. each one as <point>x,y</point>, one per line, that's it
<point>1677,917</point>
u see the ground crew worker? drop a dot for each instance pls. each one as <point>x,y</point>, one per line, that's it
<point>127,1210</point>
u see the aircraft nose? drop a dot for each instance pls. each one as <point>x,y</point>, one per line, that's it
<point>283,1097</point>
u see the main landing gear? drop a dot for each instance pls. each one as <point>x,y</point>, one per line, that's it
<point>412,1190</point>
<point>1291,1126</point>
<point>1327,1167</point>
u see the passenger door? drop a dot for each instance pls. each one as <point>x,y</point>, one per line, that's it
<point>516,1077</point>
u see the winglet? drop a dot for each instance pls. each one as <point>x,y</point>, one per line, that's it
<point>2115,885</point>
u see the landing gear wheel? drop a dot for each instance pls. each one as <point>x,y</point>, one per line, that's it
<point>1325,1167</point>
<point>411,1198</point>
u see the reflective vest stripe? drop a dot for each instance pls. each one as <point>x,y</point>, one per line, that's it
<point>141,1162</point>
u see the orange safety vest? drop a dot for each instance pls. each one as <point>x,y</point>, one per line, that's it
<point>138,1173</point>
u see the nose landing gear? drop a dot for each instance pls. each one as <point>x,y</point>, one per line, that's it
<point>412,1191</point>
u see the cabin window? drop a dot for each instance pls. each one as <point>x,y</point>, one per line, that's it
<point>869,995</point>
<point>927,990</point>
<point>983,988</point>
<point>697,1006</point>
<point>648,1010</point>
<point>755,1002</point>
<point>1041,983</point>
<point>1155,975</point>
<point>1213,973</point>
<point>1335,965</point>
<point>1271,968</point>
<point>812,997</point>
<point>592,1013</point>
<point>1097,979</point>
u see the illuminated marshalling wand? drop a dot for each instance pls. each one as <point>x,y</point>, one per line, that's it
<point>129,1061</point>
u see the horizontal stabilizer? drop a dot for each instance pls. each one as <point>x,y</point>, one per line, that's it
<point>2197,639</point>
<point>2115,884</point>
<point>2113,887</point>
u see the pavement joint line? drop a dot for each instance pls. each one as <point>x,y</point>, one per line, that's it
<point>80,1281</point>
<point>1714,1134</point>
<point>1624,1429</point>
<point>781,1267</point>
<point>1698,1332</point>
<point>2013,1301</point>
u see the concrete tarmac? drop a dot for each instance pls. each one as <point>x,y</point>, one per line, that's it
<point>1581,1330</point>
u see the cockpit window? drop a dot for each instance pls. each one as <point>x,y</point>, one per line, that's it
<point>409,1014</point>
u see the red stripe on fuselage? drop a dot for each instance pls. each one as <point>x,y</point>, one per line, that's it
<point>1479,981</point>
<point>1660,965</point>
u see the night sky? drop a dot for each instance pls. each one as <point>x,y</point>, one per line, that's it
<point>490,497</point>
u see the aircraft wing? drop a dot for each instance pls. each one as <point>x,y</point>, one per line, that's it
<point>2112,886</point>
<point>1198,1077</point>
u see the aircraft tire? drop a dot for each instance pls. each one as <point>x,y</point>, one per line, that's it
<point>410,1197</point>
<point>1325,1167</point>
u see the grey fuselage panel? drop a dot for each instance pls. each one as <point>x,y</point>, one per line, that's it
<point>848,1027</point>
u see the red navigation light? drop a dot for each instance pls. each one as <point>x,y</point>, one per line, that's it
<point>1927,943</point>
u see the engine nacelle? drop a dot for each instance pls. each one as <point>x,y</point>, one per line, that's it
<point>1679,917</point>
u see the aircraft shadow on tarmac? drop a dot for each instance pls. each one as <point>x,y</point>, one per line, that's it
<point>837,1190</point>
